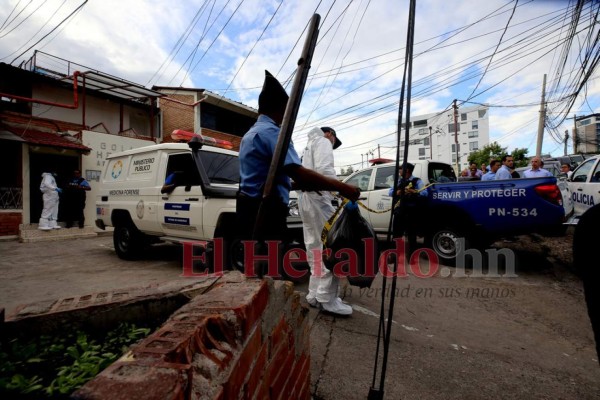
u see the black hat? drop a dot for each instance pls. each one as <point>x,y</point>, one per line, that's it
<point>273,97</point>
<point>338,142</point>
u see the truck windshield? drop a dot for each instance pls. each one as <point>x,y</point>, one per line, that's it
<point>221,168</point>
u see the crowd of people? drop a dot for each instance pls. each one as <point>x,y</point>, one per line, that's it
<point>505,169</point>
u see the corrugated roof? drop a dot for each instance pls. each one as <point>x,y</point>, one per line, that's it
<point>41,138</point>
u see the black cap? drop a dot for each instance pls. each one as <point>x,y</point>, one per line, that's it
<point>409,167</point>
<point>338,142</point>
<point>273,97</point>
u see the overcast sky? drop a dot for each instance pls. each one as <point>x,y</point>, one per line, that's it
<point>486,51</point>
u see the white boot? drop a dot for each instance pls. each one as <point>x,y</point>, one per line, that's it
<point>43,225</point>
<point>337,306</point>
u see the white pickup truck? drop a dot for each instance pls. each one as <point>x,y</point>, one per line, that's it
<point>201,206</point>
<point>584,185</point>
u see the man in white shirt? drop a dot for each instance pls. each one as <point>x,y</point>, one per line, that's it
<point>536,171</point>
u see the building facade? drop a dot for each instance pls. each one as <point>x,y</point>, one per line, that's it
<point>61,115</point>
<point>201,111</point>
<point>587,134</point>
<point>435,136</point>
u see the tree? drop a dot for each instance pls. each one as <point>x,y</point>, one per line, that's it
<point>349,170</point>
<point>343,172</point>
<point>489,151</point>
<point>495,151</point>
<point>520,157</point>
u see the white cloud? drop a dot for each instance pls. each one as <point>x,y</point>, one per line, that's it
<point>132,39</point>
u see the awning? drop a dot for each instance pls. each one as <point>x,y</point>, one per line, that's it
<point>41,138</point>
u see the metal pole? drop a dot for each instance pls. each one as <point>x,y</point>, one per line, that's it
<point>566,140</point>
<point>289,120</point>
<point>540,137</point>
<point>430,145</point>
<point>575,134</point>
<point>456,137</point>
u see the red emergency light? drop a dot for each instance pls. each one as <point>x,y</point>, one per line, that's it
<point>185,136</point>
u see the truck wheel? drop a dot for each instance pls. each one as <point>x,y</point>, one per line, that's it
<point>234,254</point>
<point>127,241</point>
<point>447,242</point>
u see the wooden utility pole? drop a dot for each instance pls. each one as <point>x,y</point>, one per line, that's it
<point>456,137</point>
<point>541,123</point>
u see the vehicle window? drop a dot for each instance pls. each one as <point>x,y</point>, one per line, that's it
<point>183,165</point>
<point>384,178</point>
<point>596,174</point>
<point>439,172</point>
<point>221,168</point>
<point>581,173</point>
<point>361,179</point>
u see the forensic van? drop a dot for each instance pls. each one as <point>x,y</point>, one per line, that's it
<point>203,179</point>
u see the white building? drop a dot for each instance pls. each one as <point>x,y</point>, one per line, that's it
<point>433,136</point>
<point>587,135</point>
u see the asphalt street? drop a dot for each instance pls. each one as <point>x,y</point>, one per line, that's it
<point>522,335</point>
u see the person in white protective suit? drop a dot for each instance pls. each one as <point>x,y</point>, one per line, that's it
<point>315,209</point>
<point>50,193</point>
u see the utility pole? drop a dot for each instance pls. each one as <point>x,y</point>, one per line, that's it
<point>362,162</point>
<point>378,152</point>
<point>575,138</point>
<point>456,136</point>
<point>430,145</point>
<point>540,137</point>
<point>566,140</point>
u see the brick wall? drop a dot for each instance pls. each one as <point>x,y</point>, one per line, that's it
<point>244,339</point>
<point>177,116</point>
<point>9,223</point>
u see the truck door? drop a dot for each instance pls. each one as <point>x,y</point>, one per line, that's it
<point>180,210</point>
<point>379,199</point>
<point>585,186</point>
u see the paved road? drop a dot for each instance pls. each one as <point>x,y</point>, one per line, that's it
<point>524,337</point>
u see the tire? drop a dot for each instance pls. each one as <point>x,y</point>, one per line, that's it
<point>446,242</point>
<point>128,241</point>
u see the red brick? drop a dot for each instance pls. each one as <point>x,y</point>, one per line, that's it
<point>243,366</point>
<point>257,372</point>
<point>247,300</point>
<point>275,363</point>
<point>276,390</point>
<point>301,373</point>
<point>280,333</point>
<point>131,381</point>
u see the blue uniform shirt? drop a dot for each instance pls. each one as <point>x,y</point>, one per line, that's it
<point>256,152</point>
<point>490,176</point>
<point>420,185</point>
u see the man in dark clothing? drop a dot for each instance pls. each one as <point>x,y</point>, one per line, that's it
<point>408,212</point>
<point>74,199</point>
<point>585,241</point>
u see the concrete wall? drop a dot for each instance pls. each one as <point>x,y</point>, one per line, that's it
<point>243,339</point>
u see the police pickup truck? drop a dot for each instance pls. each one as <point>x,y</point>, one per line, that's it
<point>478,211</point>
<point>584,185</point>
<point>199,206</point>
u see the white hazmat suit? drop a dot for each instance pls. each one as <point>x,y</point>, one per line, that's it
<point>315,209</point>
<point>50,196</point>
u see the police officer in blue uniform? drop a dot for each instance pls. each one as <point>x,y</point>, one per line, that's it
<point>407,214</point>
<point>74,196</point>
<point>256,152</point>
